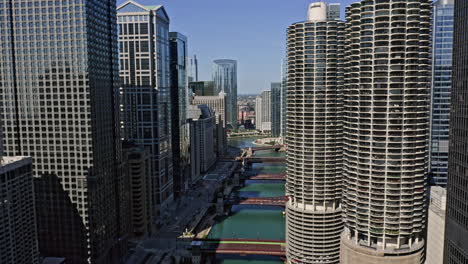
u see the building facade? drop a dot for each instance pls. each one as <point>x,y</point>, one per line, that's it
<point>204,126</point>
<point>456,228</point>
<point>221,136</point>
<point>442,37</point>
<point>258,112</point>
<point>192,69</point>
<point>216,103</point>
<point>334,11</point>
<point>145,92</point>
<point>436,225</point>
<point>203,88</point>
<point>179,103</point>
<point>263,111</point>
<point>225,80</point>
<point>137,167</point>
<point>275,109</point>
<point>59,73</point>
<point>18,242</point>
<point>314,138</point>
<point>386,126</point>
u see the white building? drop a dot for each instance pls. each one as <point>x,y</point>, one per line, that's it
<point>263,111</point>
<point>436,225</point>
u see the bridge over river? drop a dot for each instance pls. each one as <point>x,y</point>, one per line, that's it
<point>261,201</point>
<point>254,232</point>
<point>268,176</point>
<point>240,246</point>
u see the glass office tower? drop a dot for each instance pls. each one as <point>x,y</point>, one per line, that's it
<point>441,86</point>
<point>59,74</point>
<point>225,80</point>
<point>275,109</point>
<point>179,102</point>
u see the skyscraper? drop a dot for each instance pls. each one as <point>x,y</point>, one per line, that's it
<point>59,73</point>
<point>275,109</point>
<point>225,80</point>
<point>192,69</point>
<point>441,85</point>
<point>145,92</point>
<point>179,102</point>
<point>263,111</point>
<point>456,229</point>
<point>386,124</point>
<point>314,156</point>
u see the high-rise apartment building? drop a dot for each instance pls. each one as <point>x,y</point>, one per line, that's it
<point>258,113</point>
<point>145,92</point>
<point>18,242</point>
<point>225,80</point>
<point>59,73</point>
<point>275,109</point>
<point>314,138</point>
<point>284,93</point>
<point>386,131</point>
<point>456,229</point>
<point>263,111</point>
<point>442,37</point>
<point>179,103</point>
<point>192,69</point>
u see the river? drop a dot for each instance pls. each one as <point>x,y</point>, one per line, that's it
<point>254,222</point>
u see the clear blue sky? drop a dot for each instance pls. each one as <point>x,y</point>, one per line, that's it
<point>253,32</point>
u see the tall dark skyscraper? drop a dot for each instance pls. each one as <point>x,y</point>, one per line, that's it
<point>59,73</point>
<point>456,231</point>
<point>276,109</point>
<point>442,37</point>
<point>179,102</point>
<point>145,92</point>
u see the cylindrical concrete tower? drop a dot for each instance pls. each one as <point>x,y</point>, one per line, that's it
<point>317,12</point>
<point>314,125</point>
<point>386,126</point>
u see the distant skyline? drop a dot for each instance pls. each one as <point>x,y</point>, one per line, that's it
<point>251,32</point>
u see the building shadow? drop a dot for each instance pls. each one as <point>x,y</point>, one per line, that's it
<point>61,230</point>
